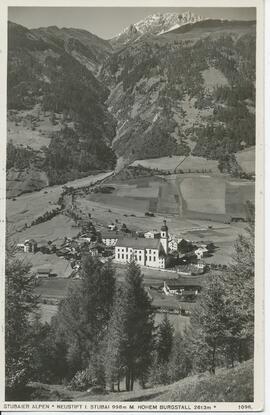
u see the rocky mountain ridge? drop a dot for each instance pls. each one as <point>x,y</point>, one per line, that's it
<point>155,24</point>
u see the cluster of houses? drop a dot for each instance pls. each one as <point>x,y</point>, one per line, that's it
<point>159,249</point>
<point>155,249</point>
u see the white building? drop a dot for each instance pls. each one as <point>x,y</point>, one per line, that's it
<point>112,227</point>
<point>110,238</point>
<point>29,245</point>
<point>200,252</point>
<point>150,252</point>
<point>173,243</point>
<point>152,234</point>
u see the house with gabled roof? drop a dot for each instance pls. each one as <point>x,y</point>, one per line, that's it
<point>149,252</point>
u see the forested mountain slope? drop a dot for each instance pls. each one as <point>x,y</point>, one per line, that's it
<point>171,94</point>
<point>88,49</point>
<point>56,107</point>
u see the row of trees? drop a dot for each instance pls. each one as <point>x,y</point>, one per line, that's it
<point>104,333</point>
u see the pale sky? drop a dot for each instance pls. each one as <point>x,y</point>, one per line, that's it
<point>106,22</point>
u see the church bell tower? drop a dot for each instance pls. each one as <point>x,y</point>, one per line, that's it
<point>164,236</point>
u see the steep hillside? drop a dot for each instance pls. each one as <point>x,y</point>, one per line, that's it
<point>88,49</point>
<point>56,107</point>
<point>228,385</point>
<point>170,94</point>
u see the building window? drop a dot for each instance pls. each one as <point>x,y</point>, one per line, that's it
<point>150,258</point>
<point>154,259</point>
<point>127,256</point>
<point>140,258</point>
<point>135,257</point>
<point>123,256</point>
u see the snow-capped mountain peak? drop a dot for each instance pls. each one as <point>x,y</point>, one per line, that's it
<point>157,24</point>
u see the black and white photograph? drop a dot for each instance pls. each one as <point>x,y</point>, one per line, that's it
<point>132,185</point>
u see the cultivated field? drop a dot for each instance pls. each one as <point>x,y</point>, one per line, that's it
<point>203,194</point>
<point>236,196</point>
<point>186,164</point>
<point>206,195</point>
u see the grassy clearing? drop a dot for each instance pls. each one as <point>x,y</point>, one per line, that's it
<point>161,163</point>
<point>213,78</point>
<point>179,323</point>
<point>26,207</point>
<point>53,230</point>
<point>192,163</point>
<point>246,159</point>
<point>53,288</point>
<point>23,131</point>
<point>60,267</point>
<point>47,312</point>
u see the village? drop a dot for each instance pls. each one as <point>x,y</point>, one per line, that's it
<point>175,268</point>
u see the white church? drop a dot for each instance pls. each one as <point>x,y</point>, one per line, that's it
<point>150,252</point>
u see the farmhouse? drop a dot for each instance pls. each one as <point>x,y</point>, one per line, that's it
<point>110,238</point>
<point>200,252</point>
<point>173,243</point>
<point>152,234</point>
<point>188,289</point>
<point>44,272</point>
<point>150,252</point>
<point>29,245</point>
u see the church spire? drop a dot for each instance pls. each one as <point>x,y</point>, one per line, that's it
<point>164,236</point>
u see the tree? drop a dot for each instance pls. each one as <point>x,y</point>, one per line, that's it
<point>223,323</point>
<point>21,303</point>
<point>82,318</point>
<point>209,325</point>
<point>139,327</point>
<point>239,291</point>
<point>131,331</point>
<point>48,363</point>
<point>180,362</point>
<point>165,339</point>
<point>116,338</point>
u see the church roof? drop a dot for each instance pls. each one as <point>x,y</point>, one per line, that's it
<point>139,243</point>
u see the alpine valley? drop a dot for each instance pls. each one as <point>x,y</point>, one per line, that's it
<point>170,85</point>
